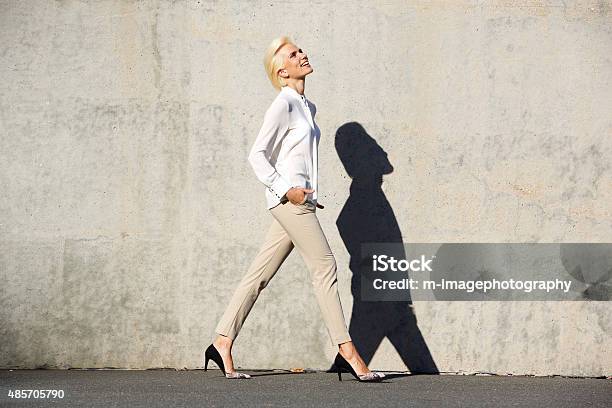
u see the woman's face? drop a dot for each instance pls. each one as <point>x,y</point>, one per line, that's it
<point>296,63</point>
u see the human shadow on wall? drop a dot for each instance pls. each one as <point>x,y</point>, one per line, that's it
<point>367,216</point>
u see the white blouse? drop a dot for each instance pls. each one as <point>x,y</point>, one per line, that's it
<point>284,154</point>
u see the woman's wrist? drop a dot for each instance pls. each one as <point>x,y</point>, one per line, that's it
<point>284,198</point>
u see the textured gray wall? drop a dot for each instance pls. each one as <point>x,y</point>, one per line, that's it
<point>128,210</point>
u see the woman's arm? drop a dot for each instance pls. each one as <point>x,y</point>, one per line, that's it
<point>275,124</point>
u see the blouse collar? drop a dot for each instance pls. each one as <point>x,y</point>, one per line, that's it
<point>293,92</point>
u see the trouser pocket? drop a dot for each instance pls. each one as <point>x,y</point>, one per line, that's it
<point>305,208</point>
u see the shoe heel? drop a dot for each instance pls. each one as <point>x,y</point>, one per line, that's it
<point>211,353</point>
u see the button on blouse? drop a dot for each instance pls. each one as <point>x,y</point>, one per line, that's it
<point>285,151</point>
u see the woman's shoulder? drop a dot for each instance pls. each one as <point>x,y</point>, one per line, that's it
<point>280,105</point>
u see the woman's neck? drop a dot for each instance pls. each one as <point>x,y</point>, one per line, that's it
<point>297,85</point>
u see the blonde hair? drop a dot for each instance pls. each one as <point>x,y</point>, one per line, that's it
<point>273,61</point>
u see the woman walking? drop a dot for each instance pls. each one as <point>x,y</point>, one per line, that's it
<point>284,159</point>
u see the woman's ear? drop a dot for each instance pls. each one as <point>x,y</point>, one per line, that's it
<point>283,73</point>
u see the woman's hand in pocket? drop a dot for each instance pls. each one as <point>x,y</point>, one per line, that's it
<point>297,195</point>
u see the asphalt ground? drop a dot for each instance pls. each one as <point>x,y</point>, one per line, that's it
<point>196,388</point>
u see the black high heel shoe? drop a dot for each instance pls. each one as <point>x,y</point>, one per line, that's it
<point>213,354</point>
<point>341,364</point>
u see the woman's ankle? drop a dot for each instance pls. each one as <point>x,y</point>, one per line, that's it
<point>347,350</point>
<point>223,342</point>
<point>351,355</point>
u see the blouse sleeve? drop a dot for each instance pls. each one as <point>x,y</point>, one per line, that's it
<point>275,124</point>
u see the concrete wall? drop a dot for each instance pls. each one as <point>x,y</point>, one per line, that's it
<point>128,210</point>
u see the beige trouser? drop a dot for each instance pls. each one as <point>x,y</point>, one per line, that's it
<point>293,225</point>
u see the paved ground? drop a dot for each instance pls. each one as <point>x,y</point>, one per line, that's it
<point>168,388</point>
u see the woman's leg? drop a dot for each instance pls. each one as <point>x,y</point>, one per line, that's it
<point>302,225</point>
<point>275,249</point>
